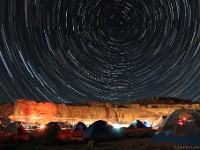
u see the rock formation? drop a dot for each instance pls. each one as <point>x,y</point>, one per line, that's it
<point>44,112</point>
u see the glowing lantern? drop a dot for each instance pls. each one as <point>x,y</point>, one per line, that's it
<point>180,122</point>
<point>184,119</point>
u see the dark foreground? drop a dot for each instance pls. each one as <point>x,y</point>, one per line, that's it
<point>130,143</point>
<point>127,144</point>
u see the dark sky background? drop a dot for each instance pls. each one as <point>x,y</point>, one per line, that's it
<point>99,50</point>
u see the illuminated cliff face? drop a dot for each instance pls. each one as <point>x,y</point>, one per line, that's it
<point>30,111</point>
<point>44,112</point>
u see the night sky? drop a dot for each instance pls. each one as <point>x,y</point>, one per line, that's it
<point>99,50</point>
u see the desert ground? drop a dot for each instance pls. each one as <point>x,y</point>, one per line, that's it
<point>128,143</point>
<point>123,144</point>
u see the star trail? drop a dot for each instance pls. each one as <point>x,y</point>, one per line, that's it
<point>99,50</point>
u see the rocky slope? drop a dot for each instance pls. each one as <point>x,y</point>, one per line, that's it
<point>44,112</point>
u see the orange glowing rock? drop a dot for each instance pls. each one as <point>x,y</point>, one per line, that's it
<point>44,112</point>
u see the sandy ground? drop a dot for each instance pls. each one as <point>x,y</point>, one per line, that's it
<point>124,144</point>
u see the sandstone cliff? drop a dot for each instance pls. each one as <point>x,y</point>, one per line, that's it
<point>44,112</point>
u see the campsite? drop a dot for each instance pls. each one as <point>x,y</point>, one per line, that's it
<point>100,134</point>
<point>99,74</point>
<point>180,129</point>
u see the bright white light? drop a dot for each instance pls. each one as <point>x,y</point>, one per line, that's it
<point>117,126</point>
<point>41,126</point>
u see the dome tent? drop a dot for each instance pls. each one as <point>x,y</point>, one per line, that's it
<point>15,128</point>
<point>80,126</point>
<point>182,127</point>
<point>137,124</point>
<point>15,131</point>
<point>52,128</point>
<point>101,130</point>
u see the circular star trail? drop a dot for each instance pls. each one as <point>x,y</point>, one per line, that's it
<point>99,50</point>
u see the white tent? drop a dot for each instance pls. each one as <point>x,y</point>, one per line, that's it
<point>182,127</point>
